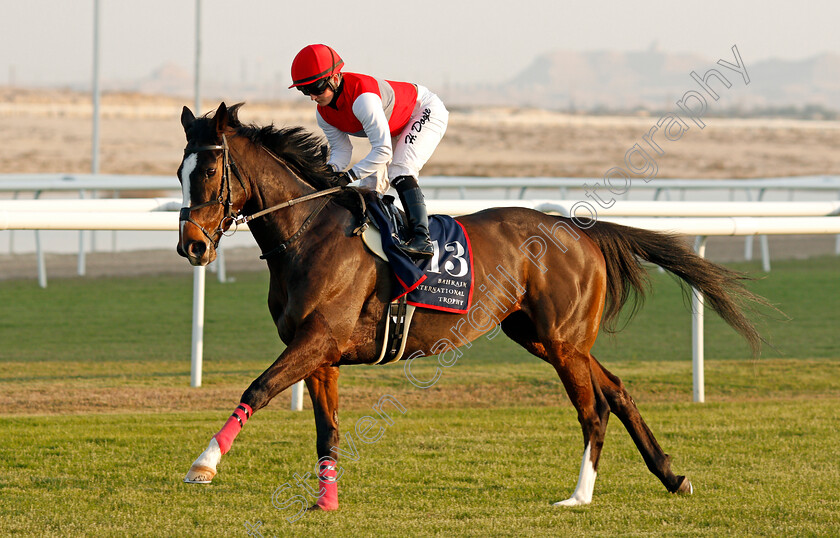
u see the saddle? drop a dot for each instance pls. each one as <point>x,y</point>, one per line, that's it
<point>443,283</point>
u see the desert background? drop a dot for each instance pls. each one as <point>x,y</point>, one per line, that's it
<point>49,131</point>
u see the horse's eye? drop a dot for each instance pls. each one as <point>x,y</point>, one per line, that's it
<point>211,172</point>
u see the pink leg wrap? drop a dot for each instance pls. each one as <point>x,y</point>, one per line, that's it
<point>233,426</point>
<point>328,485</point>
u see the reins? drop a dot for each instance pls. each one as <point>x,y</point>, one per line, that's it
<point>244,219</point>
<point>283,246</point>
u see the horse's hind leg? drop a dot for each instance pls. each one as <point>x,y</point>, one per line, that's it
<point>593,412</point>
<point>622,404</point>
<point>323,390</point>
<point>584,391</point>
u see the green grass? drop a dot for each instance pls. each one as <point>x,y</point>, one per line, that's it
<point>99,424</point>
<point>149,319</point>
<point>759,468</point>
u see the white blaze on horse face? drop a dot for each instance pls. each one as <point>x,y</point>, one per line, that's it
<point>187,168</point>
<point>585,485</point>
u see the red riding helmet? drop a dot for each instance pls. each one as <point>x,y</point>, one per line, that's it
<point>313,63</point>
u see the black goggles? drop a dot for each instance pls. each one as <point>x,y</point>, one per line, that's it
<point>316,88</point>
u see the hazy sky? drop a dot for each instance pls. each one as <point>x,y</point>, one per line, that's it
<point>428,41</point>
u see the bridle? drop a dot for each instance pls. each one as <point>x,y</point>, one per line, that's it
<point>224,199</point>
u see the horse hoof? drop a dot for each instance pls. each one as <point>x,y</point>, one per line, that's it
<point>203,469</point>
<point>685,487</point>
<point>571,502</point>
<point>199,474</point>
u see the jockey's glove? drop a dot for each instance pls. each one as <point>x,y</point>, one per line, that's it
<point>343,178</point>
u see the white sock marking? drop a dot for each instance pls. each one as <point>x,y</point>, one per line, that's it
<point>210,457</point>
<point>585,485</point>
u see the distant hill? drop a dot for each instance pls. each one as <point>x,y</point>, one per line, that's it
<point>654,80</point>
<point>603,79</point>
<point>812,81</point>
<point>167,79</point>
<point>600,81</point>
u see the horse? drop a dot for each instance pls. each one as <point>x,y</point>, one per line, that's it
<point>328,294</point>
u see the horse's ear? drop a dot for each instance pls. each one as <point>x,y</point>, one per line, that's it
<point>221,118</point>
<point>187,118</point>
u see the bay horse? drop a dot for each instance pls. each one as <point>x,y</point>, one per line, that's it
<point>328,294</point>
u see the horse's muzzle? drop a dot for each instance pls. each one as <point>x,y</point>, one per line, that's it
<point>198,252</point>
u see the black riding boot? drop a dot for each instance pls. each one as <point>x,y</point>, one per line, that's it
<point>420,246</point>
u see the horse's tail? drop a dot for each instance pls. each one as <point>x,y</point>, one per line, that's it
<point>723,289</point>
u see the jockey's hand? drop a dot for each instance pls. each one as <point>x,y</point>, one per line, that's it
<point>355,184</point>
<point>342,179</point>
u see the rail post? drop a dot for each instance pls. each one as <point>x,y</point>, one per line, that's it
<point>197,349</point>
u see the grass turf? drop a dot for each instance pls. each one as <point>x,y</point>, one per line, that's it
<point>99,424</point>
<point>762,467</point>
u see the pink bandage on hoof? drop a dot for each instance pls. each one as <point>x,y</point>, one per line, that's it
<point>233,426</point>
<point>327,485</point>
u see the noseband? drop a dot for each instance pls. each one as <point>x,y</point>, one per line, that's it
<point>224,198</point>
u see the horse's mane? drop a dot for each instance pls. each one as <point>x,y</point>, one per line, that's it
<point>301,149</point>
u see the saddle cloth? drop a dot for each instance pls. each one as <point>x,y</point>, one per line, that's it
<point>443,282</point>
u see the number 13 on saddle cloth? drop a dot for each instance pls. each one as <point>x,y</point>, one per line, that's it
<point>443,282</point>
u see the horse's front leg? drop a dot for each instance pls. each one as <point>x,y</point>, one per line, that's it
<point>312,347</point>
<point>323,389</point>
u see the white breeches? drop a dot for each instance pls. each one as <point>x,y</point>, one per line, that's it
<point>417,141</point>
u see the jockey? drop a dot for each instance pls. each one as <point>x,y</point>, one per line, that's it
<point>404,123</point>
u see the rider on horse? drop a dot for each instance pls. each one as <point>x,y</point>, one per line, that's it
<point>404,123</point>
